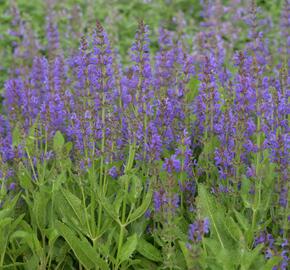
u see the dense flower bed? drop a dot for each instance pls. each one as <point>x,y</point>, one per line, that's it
<point>178,159</point>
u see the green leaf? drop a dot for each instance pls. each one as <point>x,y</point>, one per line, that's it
<point>124,181</point>
<point>180,260</point>
<point>4,213</point>
<point>212,244</point>
<point>12,266</point>
<point>16,136</point>
<point>144,264</point>
<point>193,85</point>
<point>246,185</point>
<point>85,253</point>
<point>108,206</point>
<point>25,178</point>
<point>5,221</point>
<point>225,259</point>
<point>128,248</point>
<point>243,221</point>
<point>30,239</point>
<point>32,136</point>
<point>110,243</point>
<point>32,262</point>
<point>68,147</point>
<point>41,199</point>
<point>80,249</point>
<point>234,230</point>
<point>206,202</point>
<point>248,257</point>
<point>20,234</point>
<point>119,201</point>
<point>16,222</point>
<point>140,211</point>
<point>275,260</point>
<point>135,188</point>
<point>58,141</point>
<point>69,209</point>
<point>139,226</point>
<point>4,232</point>
<point>76,204</point>
<point>148,250</point>
<point>52,235</point>
<point>185,253</point>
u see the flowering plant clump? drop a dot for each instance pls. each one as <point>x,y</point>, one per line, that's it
<point>170,157</point>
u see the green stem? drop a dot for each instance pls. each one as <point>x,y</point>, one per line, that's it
<point>120,243</point>
<point>123,224</point>
<point>45,152</point>
<point>123,218</point>
<point>102,184</point>
<point>2,256</point>
<point>31,164</point>
<point>85,209</point>
<point>258,183</point>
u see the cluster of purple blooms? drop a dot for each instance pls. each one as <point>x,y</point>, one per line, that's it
<point>198,229</point>
<point>196,232</point>
<point>272,249</point>
<point>103,106</point>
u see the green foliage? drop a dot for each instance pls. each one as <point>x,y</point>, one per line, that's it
<point>148,250</point>
<point>82,248</point>
<point>67,220</point>
<point>58,141</point>
<point>128,248</point>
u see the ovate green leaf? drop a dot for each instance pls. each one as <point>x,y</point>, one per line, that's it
<point>148,250</point>
<point>58,141</point>
<point>128,248</point>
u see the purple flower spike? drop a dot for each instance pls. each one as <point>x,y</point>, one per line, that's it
<point>172,164</point>
<point>12,186</point>
<point>113,172</point>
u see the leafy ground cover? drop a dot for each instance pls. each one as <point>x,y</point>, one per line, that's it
<point>169,153</point>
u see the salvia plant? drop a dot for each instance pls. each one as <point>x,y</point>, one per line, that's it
<point>172,156</point>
